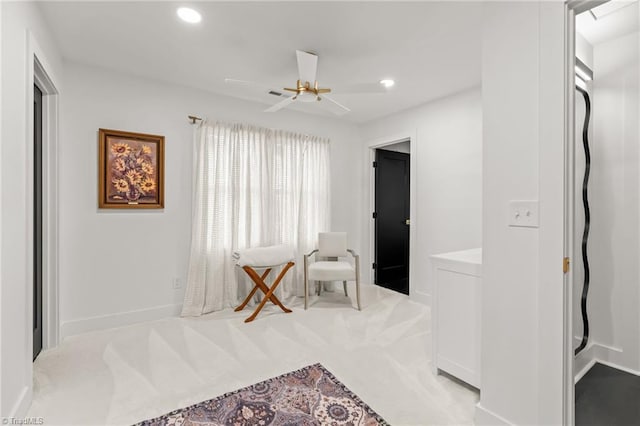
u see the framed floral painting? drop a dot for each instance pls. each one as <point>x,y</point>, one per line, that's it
<point>131,170</point>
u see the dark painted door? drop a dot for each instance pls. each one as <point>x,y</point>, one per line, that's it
<point>37,221</point>
<point>392,220</point>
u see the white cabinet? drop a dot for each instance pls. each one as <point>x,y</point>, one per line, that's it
<point>456,313</point>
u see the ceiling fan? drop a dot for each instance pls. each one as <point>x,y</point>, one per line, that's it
<point>307,89</point>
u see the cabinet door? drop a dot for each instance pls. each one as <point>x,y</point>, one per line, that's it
<point>458,333</point>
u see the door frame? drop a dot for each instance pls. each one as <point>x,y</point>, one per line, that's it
<point>572,8</point>
<point>39,73</point>
<point>568,402</point>
<point>404,136</point>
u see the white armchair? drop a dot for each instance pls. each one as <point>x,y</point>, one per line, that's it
<point>331,245</point>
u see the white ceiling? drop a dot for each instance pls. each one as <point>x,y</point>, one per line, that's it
<point>431,49</point>
<point>617,18</point>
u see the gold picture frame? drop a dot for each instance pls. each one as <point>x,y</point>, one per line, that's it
<point>130,170</point>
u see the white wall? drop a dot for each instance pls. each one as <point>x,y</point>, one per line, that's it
<point>522,289</point>
<point>23,33</point>
<point>447,158</point>
<point>614,241</point>
<point>1,206</point>
<point>117,266</point>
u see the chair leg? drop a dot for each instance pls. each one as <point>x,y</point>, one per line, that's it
<point>269,291</point>
<point>259,283</point>
<point>306,282</point>
<point>253,291</point>
<point>344,285</point>
<point>358,282</point>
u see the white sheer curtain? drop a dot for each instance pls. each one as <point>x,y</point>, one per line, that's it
<point>252,187</point>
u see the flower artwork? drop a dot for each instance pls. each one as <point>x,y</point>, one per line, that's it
<point>131,170</point>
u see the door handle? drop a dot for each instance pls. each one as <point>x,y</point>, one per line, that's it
<point>407,222</point>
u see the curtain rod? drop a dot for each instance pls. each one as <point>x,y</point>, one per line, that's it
<point>193,119</point>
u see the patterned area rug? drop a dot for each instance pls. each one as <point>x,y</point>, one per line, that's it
<point>309,396</point>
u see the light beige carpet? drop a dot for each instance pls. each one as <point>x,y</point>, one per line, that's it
<point>126,375</point>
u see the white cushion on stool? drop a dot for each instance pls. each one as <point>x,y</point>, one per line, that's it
<point>331,271</point>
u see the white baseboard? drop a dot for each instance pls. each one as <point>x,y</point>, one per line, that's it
<point>70,328</point>
<point>484,417</point>
<point>21,406</point>
<point>603,354</point>
<point>584,370</point>
<point>421,297</point>
<point>583,362</point>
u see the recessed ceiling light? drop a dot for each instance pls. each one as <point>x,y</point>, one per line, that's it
<point>387,82</point>
<point>189,15</point>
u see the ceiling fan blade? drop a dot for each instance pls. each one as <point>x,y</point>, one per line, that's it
<point>307,66</point>
<point>334,106</point>
<point>283,103</point>
<point>360,89</point>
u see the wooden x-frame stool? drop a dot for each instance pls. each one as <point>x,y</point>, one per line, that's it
<point>268,291</point>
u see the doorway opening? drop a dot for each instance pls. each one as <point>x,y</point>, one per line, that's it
<point>392,206</point>
<point>37,221</point>
<point>43,203</point>
<point>602,220</point>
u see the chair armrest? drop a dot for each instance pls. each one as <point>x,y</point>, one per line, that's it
<point>305,261</point>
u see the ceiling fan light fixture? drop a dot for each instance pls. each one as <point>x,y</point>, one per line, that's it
<point>307,96</point>
<point>387,82</point>
<point>189,15</point>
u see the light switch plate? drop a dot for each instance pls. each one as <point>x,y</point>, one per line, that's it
<point>523,214</point>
